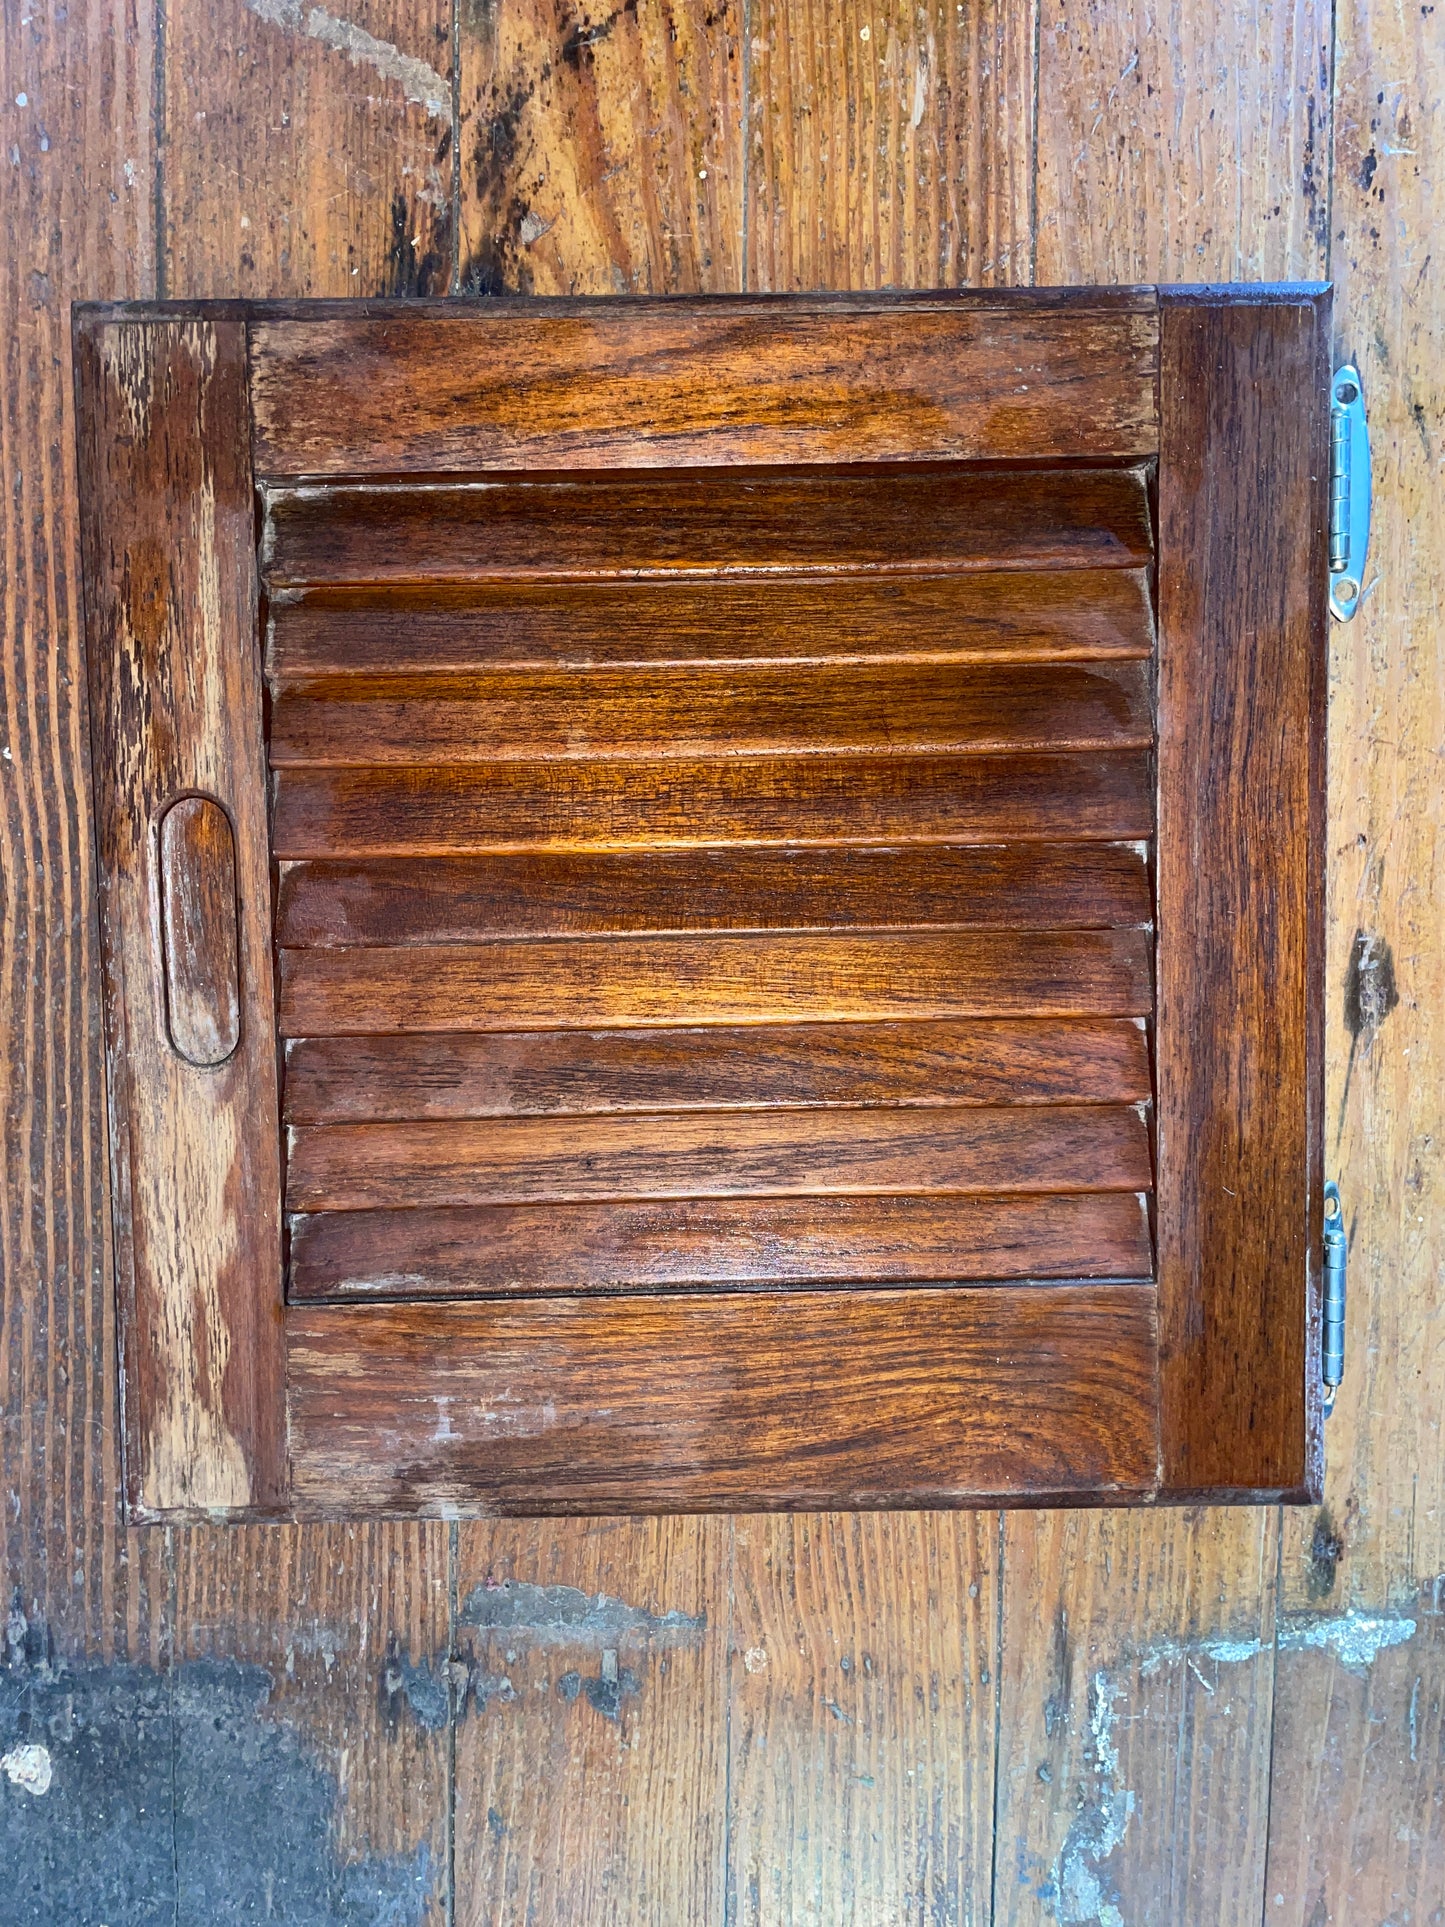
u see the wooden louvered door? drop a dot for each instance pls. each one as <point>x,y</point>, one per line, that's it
<point>710,895</point>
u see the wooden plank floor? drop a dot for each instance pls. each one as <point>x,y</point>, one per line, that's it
<point>1174,1720</point>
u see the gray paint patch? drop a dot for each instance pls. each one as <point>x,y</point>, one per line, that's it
<point>566,1616</point>
<point>175,1799</point>
<point>425,1690</point>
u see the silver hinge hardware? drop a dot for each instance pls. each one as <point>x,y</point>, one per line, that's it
<point>1349,491</point>
<point>1336,1255</point>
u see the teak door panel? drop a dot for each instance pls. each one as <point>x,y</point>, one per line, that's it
<point>710,790</point>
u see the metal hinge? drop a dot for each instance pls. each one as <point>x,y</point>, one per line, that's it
<point>1332,1362</point>
<point>1349,491</point>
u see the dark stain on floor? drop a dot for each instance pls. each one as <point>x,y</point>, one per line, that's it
<point>176,1798</point>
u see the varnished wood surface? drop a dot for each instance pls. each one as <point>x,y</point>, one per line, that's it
<point>200,930</point>
<point>449,719</point>
<point>583,983</point>
<point>356,1167</point>
<point>176,709</point>
<point>737,522</point>
<point>490,1406</point>
<point>455,809</point>
<point>988,616</point>
<point>645,386</point>
<point>969,1060</point>
<point>1241,611</point>
<point>403,786</point>
<point>431,900</point>
<point>506,1250</point>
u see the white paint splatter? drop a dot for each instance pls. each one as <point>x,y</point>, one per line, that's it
<point>1174,1652</point>
<point>1231,1652</point>
<point>920,93</point>
<point>1102,1694</point>
<point>29,1768</point>
<point>1101,1822</point>
<point>1356,1639</point>
<point>418,81</point>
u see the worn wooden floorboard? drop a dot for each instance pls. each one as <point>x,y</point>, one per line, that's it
<point>1357,1818</point>
<point>1134,1717</point>
<point>324,1649</point>
<point>1191,146</point>
<point>861,1717</point>
<point>1357,1809</point>
<point>591,1743</point>
<point>1381,1533</point>
<point>85,1700</point>
<point>76,170</point>
<point>888,146</point>
<point>306,150</point>
<point>600,152</point>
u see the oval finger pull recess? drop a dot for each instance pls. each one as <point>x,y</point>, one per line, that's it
<point>199,933</point>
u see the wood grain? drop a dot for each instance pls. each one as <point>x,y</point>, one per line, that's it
<point>586,983</point>
<point>889,146</point>
<point>863,1661</point>
<point>1136,1697</point>
<point>641,385</point>
<point>200,930</point>
<point>75,206</point>
<point>696,521</point>
<point>362,1167</point>
<point>519,1249</point>
<point>663,802</point>
<point>340,1633</point>
<point>1384,1515</point>
<point>1241,121</point>
<point>1239,1051</point>
<point>435,900</point>
<point>591,1770</point>
<point>1355,1817</point>
<point>1357,1809</point>
<point>307,149</point>
<point>992,616</point>
<point>701,712</point>
<point>176,709</point>
<point>600,156</point>
<point>1183,148</point>
<point>552,1073</point>
<point>566,1405</point>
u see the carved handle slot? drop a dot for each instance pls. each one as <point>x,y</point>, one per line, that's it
<point>199,933</point>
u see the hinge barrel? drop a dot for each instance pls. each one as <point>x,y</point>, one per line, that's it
<point>1336,1243</point>
<point>1349,492</point>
